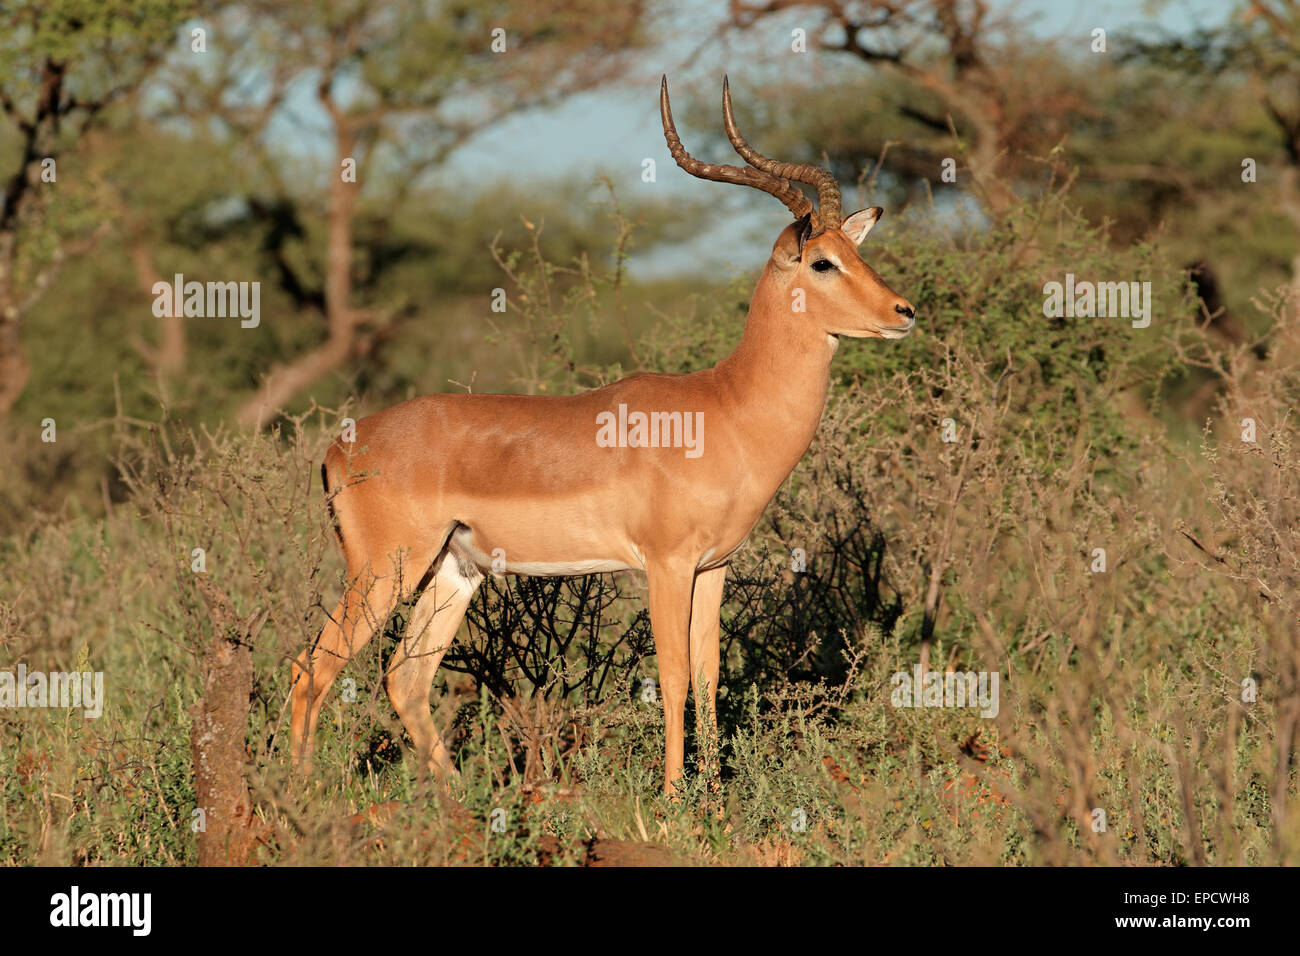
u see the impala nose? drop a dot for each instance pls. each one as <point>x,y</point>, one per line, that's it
<point>904,309</point>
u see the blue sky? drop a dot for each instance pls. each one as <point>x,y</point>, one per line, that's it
<point>616,128</point>
<point>611,131</point>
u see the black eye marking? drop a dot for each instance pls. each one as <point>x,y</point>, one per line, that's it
<point>823,265</point>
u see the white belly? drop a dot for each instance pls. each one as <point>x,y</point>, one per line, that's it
<point>501,563</point>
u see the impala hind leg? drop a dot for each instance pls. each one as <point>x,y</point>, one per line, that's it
<point>670,622</point>
<point>363,610</point>
<point>429,634</point>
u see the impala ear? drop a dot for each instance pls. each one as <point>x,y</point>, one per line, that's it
<point>859,224</point>
<point>789,245</point>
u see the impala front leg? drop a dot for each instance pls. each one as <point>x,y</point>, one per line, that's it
<point>670,622</point>
<point>706,605</point>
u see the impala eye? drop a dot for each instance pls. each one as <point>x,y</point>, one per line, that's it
<point>823,265</point>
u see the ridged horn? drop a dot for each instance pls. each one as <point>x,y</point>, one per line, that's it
<point>828,190</point>
<point>759,178</point>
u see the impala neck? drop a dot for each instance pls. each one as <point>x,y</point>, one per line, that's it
<point>775,381</point>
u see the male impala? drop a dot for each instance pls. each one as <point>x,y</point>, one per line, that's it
<point>433,488</point>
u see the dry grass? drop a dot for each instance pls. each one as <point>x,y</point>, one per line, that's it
<point>1123,733</point>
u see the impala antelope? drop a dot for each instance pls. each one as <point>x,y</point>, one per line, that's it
<point>433,488</point>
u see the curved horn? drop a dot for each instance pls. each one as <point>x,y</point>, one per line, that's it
<point>828,190</point>
<point>797,202</point>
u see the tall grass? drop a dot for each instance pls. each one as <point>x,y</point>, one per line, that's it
<point>1148,711</point>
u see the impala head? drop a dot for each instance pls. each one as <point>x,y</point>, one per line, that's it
<point>818,252</point>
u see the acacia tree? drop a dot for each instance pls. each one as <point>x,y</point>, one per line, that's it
<point>948,66</point>
<point>1271,45</point>
<point>1253,114</point>
<point>62,64</point>
<point>398,87</point>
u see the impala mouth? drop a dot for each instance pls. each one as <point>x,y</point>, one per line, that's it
<point>898,331</point>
